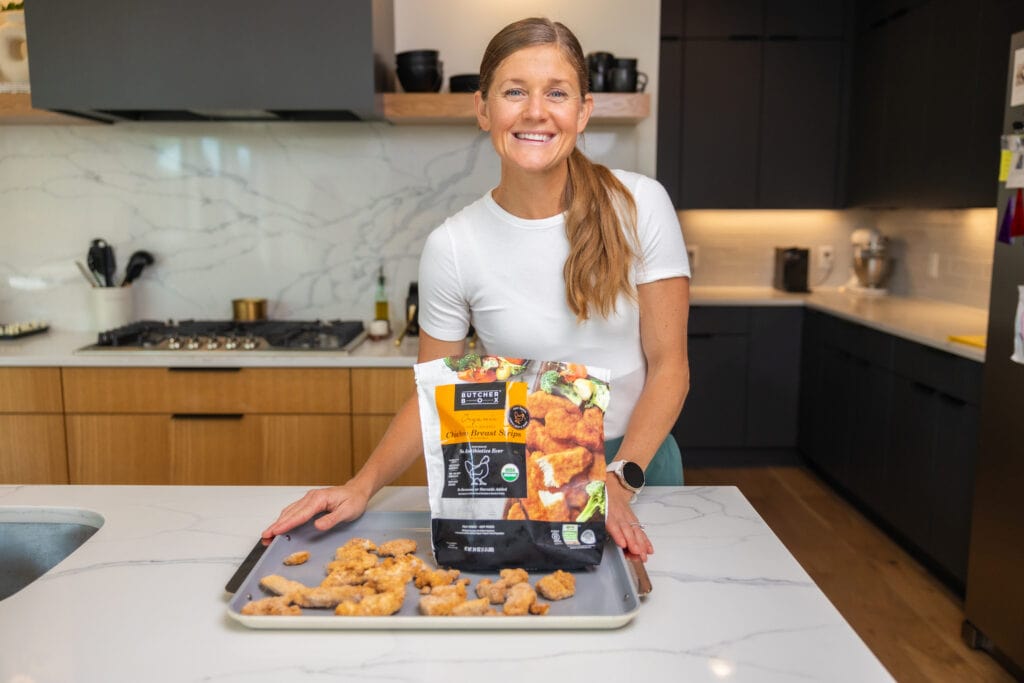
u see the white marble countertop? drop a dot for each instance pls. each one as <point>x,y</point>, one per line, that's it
<point>143,600</point>
<point>925,321</point>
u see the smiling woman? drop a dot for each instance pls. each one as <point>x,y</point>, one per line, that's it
<point>565,260</point>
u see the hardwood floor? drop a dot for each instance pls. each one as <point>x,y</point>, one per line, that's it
<point>909,620</point>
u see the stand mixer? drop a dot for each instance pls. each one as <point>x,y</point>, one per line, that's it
<point>871,262</point>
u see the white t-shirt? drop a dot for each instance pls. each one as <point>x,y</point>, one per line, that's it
<point>503,274</point>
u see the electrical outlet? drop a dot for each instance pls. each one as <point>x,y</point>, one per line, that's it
<point>826,257</point>
<point>693,253</point>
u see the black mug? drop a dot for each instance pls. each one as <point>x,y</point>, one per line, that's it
<point>626,79</point>
<point>598,80</point>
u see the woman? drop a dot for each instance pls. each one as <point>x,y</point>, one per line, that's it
<point>556,223</point>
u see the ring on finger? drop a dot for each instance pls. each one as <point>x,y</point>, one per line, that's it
<point>637,524</point>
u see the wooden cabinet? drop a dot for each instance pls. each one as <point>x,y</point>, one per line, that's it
<point>744,370</point>
<point>894,426</point>
<point>208,426</point>
<point>16,108</point>
<point>378,394</point>
<point>32,447</point>
<point>750,104</point>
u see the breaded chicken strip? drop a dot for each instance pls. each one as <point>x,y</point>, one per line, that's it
<point>557,586</point>
<point>329,597</point>
<point>538,439</point>
<point>363,544</point>
<point>397,547</point>
<point>402,568</point>
<point>432,578</point>
<point>376,605</point>
<point>277,606</point>
<point>300,557</point>
<point>547,507</point>
<point>440,605</point>
<point>539,608</point>
<point>352,560</point>
<point>473,608</point>
<point>561,423</point>
<point>458,588</point>
<point>514,576</point>
<point>520,598</point>
<point>515,511</point>
<point>589,431</point>
<point>344,577</point>
<point>278,585</point>
<point>559,468</point>
<point>540,402</point>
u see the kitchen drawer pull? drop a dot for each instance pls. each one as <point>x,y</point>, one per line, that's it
<point>207,416</point>
<point>201,369</point>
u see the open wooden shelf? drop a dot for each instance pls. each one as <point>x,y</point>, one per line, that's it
<point>457,108</point>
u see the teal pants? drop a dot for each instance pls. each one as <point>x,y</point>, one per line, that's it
<point>665,468</point>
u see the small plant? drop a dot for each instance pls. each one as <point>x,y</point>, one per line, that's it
<point>6,5</point>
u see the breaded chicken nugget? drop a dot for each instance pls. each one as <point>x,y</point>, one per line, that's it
<point>561,423</point>
<point>397,547</point>
<point>540,402</point>
<point>300,557</point>
<point>473,608</point>
<point>377,605</point>
<point>514,576</point>
<point>433,578</point>
<point>440,605</point>
<point>520,597</point>
<point>538,439</point>
<point>559,468</point>
<point>363,544</point>
<point>557,586</point>
<point>352,560</point>
<point>276,606</point>
<point>329,597</point>
<point>279,585</point>
<point>539,608</point>
<point>589,431</point>
<point>344,577</point>
<point>547,507</point>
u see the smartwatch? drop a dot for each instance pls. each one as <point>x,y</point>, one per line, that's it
<point>630,475</point>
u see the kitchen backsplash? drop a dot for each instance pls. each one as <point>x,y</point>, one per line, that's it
<point>938,254</point>
<point>301,214</point>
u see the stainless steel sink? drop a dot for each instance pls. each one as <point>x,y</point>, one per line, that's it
<point>35,539</point>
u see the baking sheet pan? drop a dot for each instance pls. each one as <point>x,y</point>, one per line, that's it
<point>606,595</point>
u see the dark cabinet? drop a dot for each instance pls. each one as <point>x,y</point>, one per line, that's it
<point>744,369</point>
<point>894,425</point>
<point>927,100</point>
<point>755,122</point>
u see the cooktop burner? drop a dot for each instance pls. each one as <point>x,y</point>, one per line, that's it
<point>229,335</point>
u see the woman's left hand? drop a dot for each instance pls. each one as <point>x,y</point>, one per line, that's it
<point>622,524</point>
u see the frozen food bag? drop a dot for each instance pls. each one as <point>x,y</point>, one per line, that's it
<point>514,451</point>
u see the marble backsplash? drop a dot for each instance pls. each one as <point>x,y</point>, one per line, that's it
<point>301,214</point>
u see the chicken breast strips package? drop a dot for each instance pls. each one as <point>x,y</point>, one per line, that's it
<point>515,461</point>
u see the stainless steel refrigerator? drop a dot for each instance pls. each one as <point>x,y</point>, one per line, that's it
<point>995,572</point>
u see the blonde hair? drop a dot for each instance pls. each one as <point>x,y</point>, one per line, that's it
<point>600,221</point>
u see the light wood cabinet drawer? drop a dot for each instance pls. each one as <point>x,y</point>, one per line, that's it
<point>206,390</point>
<point>30,390</point>
<point>367,431</point>
<point>32,450</point>
<point>381,391</point>
<point>310,450</point>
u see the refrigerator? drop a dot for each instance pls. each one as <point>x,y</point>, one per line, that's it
<point>994,607</point>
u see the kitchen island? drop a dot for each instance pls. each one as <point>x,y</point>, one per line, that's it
<point>143,600</point>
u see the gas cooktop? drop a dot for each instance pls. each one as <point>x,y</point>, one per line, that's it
<point>339,336</point>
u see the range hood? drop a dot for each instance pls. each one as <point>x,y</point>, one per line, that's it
<point>116,60</point>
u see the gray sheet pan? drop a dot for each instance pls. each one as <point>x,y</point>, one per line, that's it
<point>606,595</point>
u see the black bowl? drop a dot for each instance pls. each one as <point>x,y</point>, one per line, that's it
<point>464,83</point>
<point>420,78</point>
<point>416,57</point>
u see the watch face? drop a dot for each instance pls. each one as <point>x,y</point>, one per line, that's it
<point>633,474</point>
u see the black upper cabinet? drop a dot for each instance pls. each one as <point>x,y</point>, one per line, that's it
<point>800,124</point>
<point>755,121</point>
<point>927,101</point>
<point>719,140</point>
<point>722,18</point>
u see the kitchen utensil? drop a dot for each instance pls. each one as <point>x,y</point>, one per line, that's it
<point>109,265</point>
<point>89,276</point>
<point>96,260</point>
<point>606,595</point>
<point>249,309</point>
<point>136,264</point>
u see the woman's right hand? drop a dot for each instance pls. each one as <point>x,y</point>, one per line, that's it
<point>341,503</point>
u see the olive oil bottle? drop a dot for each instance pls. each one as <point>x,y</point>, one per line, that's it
<point>380,328</point>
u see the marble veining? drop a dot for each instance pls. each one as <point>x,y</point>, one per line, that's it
<point>302,214</point>
<point>143,600</point>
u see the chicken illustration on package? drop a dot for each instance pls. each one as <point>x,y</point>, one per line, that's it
<point>515,461</point>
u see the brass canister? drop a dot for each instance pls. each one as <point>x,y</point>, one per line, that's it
<point>245,310</point>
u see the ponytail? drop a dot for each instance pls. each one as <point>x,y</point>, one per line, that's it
<point>601,227</point>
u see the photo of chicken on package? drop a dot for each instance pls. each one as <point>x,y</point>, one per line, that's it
<point>515,461</point>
